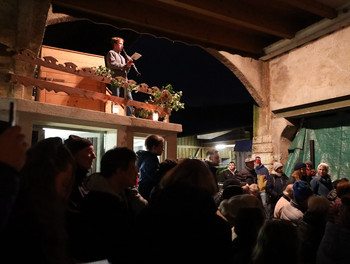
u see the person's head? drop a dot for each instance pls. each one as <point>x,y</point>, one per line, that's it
<point>155,144</point>
<point>82,151</point>
<point>274,237</point>
<point>229,208</point>
<point>301,167</point>
<point>249,162</point>
<point>232,165</point>
<point>278,167</point>
<point>345,211</point>
<point>118,165</point>
<point>229,182</point>
<point>213,156</point>
<point>48,170</point>
<point>302,192</point>
<point>254,189</point>
<point>288,191</point>
<point>309,165</point>
<point>343,188</point>
<point>164,167</point>
<point>336,182</point>
<point>191,174</point>
<point>230,191</point>
<point>323,169</point>
<point>318,205</point>
<point>297,175</point>
<point>257,161</point>
<point>117,43</point>
<point>245,189</point>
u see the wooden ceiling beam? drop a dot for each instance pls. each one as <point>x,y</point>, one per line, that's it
<point>231,12</point>
<point>313,7</point>
<point>149,19</point>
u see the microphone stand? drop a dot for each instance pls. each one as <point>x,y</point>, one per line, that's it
<point>129,58</point>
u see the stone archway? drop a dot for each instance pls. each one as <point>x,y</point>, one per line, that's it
<point>250,72</point>
<point>254,75</point>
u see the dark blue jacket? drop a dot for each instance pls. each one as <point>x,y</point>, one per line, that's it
<point>275,186</point>
<point>321,185</point>
<point>148,164</point>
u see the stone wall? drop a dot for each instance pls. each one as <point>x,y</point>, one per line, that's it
<point>22,25</point>
<point>316,72</point>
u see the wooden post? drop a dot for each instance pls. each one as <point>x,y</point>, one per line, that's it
<point>171,150</point>
<point>312,152</point>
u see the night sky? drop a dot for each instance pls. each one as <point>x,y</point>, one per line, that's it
<point>214,98</point>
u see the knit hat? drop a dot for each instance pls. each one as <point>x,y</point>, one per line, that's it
<point>302,191</point>
<point>277,165</point>
<point>75,143</point>
<point>299,165</point>
<point>258,160</point>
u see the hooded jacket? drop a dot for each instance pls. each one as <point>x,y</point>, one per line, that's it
<point>276,182</point>
<point>148,164</point>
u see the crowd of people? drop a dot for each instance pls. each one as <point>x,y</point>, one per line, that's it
<point>137,209</point>
<point>306,215</point>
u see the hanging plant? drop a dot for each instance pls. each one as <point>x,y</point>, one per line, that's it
<point>119,81</point>
<point>166,97</point>
<point>143,113</point>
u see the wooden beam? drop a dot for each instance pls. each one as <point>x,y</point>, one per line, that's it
<point>50,86</point>
<point>313,6</point>
<point>232,13</point>
<point>147,19</point>
<point>333,104</point>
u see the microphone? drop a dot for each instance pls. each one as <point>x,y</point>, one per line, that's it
<point>129,58</point>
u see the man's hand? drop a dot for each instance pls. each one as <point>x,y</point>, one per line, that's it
<point>129,63</point>
<point>13,147</point>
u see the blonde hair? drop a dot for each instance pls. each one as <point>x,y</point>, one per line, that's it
<point>115,40</point>
<point>191,173</point>
<point>325,165</point>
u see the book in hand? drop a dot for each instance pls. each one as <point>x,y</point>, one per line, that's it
<point>136,56</point>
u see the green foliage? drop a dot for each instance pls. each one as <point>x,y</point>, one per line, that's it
<point>143,113</point>
<point>165,97</point>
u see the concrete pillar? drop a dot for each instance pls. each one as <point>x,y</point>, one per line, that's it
<point>283,133</point>
<point>25,121</point>
<point>125,138</point>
